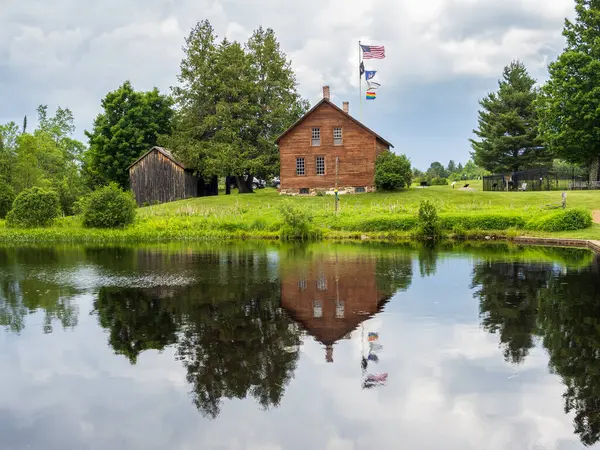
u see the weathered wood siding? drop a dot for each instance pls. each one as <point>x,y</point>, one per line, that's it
<point>356,155</point>
<point>157,179</point>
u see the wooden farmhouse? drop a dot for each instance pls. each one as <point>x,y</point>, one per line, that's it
<point>328,149</point>
<point>157,177</point>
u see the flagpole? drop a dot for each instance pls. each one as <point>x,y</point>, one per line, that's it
<point>360,80</point>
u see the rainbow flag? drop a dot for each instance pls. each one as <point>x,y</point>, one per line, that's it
<point>371,95</point>
<point>373,336</point>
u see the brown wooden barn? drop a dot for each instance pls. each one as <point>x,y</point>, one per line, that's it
<point>157,177</point>
<point>328,148</point>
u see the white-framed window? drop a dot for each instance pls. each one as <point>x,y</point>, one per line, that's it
<point>302,284</point>
<point>320,163</point>
<point>322,283</point>
<point>300,166</point>
<point>337,136</point>
<point>340,309</point>
<point>317,309</point>
<point>304,191</point>
<point>316,137</point>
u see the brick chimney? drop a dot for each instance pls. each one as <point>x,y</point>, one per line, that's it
<point>326,92</point>
<point>346,107</point>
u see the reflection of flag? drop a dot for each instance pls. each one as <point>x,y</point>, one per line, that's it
<point>369,74</point>
<point>373,357</point>
<point>373,51</point>
<point>371,95</point>
<point>379,378</point>
<point>373,336</point>
<point>374,346</point>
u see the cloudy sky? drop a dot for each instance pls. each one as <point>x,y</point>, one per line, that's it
<point>442,55</point>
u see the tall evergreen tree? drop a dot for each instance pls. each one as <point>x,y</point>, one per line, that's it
<point>130,125</point>
<point>508,125</point>
<point>451,167</point>
<point>569,106</point>
<point>232,104</point>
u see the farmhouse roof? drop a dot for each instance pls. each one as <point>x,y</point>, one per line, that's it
<point>341,111</point>
<point>161,150</point>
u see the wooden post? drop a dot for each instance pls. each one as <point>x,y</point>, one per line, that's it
<point>335,192</point>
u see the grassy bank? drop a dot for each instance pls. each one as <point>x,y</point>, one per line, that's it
<point>378,215</point>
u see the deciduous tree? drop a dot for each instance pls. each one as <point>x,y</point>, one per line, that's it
<point>130,125</point>
<point>569,106</point>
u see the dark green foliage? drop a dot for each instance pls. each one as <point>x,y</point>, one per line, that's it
<point>392,171</point>
<point>233,102</point>
<point>569,105</point>
<point>436,170</point>
<point>34,207</point>
<point>567,220</point>
<point>508,125</point>
<point>130,125</point>
<point>109,207</point>
<point>297,224</point>
<point>7,197</point>
<point>429,221</point>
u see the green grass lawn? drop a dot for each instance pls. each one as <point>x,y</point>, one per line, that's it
<point>378,214</point>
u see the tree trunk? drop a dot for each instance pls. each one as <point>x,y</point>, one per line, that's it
<point>244,185</point>
<point>227,185</point>
<point>594,168</point>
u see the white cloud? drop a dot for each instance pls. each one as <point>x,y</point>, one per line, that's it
<point>72,52</point>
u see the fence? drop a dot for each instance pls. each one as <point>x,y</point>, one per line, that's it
<point>535,180</point>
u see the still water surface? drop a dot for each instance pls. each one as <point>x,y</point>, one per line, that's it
<point>320,347</point>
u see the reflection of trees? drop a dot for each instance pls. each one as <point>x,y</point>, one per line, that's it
<point>428,255</point>
<point>23,293</point>
<point>508,302</point>
<point>393,273</point>
<point>570,325</point>
<point>228,329</point>
<point>138,320</point>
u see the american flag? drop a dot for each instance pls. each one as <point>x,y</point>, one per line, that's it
<point>373,51</point>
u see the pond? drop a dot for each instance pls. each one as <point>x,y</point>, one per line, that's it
<point>326,346</point>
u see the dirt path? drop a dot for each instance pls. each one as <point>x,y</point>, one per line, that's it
<point>596,216</point>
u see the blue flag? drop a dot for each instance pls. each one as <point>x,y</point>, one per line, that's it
<point>370,74</point>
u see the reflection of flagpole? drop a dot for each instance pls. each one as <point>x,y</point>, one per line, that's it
<point>360,80</point>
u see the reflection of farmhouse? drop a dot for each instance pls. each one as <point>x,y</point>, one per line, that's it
<point>331,297</point>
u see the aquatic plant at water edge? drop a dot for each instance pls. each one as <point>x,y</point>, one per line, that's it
<point>428,221</point>
<point>34,207</point>
<point>109,207</point>
<point>297,224</point>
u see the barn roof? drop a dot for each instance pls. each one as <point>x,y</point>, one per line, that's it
<point>161,150</point>
<point>329,102</point>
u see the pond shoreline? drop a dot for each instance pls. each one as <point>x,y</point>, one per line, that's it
<point>47,236</point>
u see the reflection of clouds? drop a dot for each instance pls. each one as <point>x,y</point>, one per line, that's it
<point>448,387</point>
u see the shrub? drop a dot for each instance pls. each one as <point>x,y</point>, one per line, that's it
<point>392,171</point>
<point>438,182</point>
<point>565,220</point>
<point>428,221</point>
<point>482,221</point>
<point>297,224</point>
<point>109,207</point>
<point>7,197</point>
<point>34,207</point>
